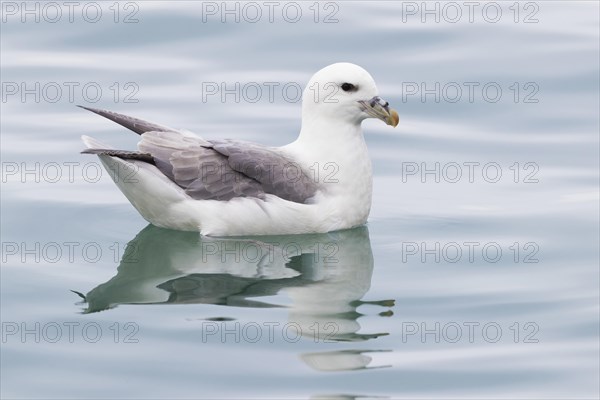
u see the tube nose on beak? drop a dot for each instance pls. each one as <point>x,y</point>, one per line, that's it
<point>380,109</point>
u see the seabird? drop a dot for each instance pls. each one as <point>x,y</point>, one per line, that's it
<point>319,183</point>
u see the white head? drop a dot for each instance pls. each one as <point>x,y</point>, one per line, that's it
<point>344,93</point>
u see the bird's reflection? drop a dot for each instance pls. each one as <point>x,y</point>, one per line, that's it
<point>324,275</point>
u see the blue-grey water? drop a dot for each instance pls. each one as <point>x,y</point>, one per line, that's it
<point>476,277</point>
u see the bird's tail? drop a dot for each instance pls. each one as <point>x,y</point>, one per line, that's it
<point>92,143</point>
<point>96,147</point>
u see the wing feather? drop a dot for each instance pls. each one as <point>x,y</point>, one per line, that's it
<point>278,174</point>
<point>213,170</point>
<point>201,171</point>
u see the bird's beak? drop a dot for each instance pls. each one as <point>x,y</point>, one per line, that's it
<point>379,108</point>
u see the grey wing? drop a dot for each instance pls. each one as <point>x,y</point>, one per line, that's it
<point>201,171</point>
<point>136,125</point>
<point>186,159</point>
<point>223,170</point>
<point>277,173</point>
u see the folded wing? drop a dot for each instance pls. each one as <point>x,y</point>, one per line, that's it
<point>214,170</point>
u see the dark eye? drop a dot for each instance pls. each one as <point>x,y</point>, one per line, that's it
<point>348,87</point>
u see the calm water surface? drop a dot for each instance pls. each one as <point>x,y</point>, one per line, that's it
<point>476,277</point>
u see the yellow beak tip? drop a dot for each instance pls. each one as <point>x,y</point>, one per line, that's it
<point>393,119</point>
